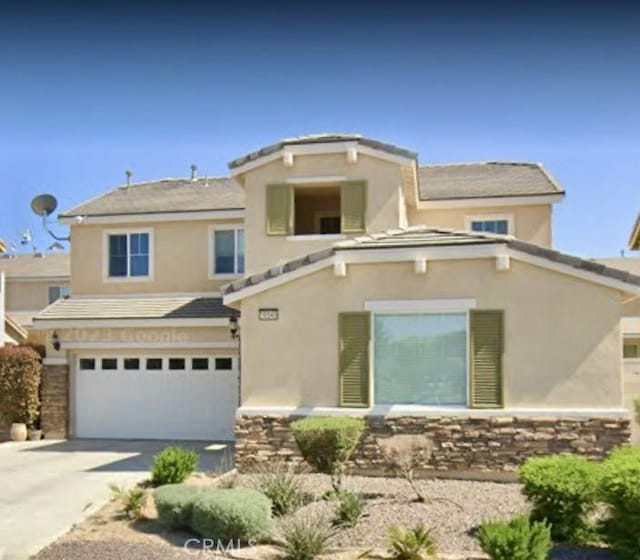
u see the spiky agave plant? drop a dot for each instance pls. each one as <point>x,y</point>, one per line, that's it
<point>411,544</point>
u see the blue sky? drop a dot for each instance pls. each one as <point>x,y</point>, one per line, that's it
<point>87,92</point>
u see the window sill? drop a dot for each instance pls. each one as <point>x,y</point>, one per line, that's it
<point>225,276</point>
<point>317,237</point>
<point>116,279</point>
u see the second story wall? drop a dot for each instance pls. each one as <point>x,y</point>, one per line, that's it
<point>528,223</point>
<point>33,295</point>
<point>180,258</point>
<point>382,205</point>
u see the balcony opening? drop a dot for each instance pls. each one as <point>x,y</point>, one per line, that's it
<point>317,210</point>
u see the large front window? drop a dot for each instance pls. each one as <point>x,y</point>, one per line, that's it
<point>228,251</point>
<point>129,255</point>
<point>420,358</point>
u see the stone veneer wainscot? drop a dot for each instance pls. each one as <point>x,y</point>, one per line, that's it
<point>497,444</point>
<point>54,390</point>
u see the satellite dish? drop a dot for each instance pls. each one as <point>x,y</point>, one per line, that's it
<point>44,205</point>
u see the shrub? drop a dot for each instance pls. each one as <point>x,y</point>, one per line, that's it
<point>563,490</point>
<point>225,473</point>
<point>636,406</point>
<point>133,500</point>
<point>411,544</point>
<point>20,371</point>
<point>326,443</point>
<point>174,503</point>
<point>620,489</point>
<point>278,482</point>
<point>305,538</point>
<point>173,465</point>
<point>405,454</point>
<point>350,506</point>
<point>518,539</point>
<point>232,514</point>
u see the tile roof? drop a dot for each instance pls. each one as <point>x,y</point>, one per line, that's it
<point>178,307</point>
<point>630,264</point>
<point>322,139</point>
<point>38,265</point>
<point>423,236</point>
<point>164,195</point>
<point>482,180</point>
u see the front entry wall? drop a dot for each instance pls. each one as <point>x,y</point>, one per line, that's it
<point>562,335</point>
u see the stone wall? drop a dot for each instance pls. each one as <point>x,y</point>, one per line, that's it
<point>54,393</point>
<point>458,444</point>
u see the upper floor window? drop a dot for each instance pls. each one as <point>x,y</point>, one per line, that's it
<point>501,224</point>
<point>129,254</point>
<point>631,350</point>
<point>228,251</point>
<point>57,292</point>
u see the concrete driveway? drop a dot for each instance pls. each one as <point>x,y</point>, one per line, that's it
<point>47,486</point>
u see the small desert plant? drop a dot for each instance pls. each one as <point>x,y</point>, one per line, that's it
<point>279,483</point>
<point>173,465</point>
<point>327,443</point>
<point>349,508</point>
<point>411,544</point>
<point>174,503</point>
<point>305,538</point>
<point>225,473</point>
<point>232,514</point>
<point>563,490</point>
<point>132,500</point>
<point>404,454</point>
<point>620,489</point>
<point>518,539</point>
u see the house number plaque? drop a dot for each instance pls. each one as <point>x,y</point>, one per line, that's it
<point>268,314</point>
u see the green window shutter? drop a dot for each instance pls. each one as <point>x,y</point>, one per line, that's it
<point>354,206</point>
<point>487,345</point>
<point>354,333</point>
<point>279,209</point>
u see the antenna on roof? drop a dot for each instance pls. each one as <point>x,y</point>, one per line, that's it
<point>44,205</point>
<point>128,174</point>
<point>194,171</point>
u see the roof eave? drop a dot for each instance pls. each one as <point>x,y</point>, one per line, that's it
<point>486,201</point>
<point>634,240</point>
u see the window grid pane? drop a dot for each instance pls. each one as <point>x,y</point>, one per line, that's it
<point>109,363</point>
<point>154,364</point>
<point>117,255</point>
<point>224,251</point>
<point>421,359</point>
<point>224,364</point>
<point>139,260</point>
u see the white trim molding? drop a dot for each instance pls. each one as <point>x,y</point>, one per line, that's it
<point>318,180</point>
<point>147,217</point>
<point>420,305</point>
<point>105,254</point>
<point>213,275</point>
<point>486,202</point>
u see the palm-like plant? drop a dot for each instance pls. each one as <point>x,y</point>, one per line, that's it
<point>411,544</point>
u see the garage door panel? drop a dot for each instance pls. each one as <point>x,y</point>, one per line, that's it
<point>156,404</point>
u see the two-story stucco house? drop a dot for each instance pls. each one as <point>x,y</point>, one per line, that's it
<point>424,298</point>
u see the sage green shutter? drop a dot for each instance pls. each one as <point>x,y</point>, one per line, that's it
<point>354,333</point>
<point>487,345</point>
<point>279,209</point>
<point>354,206</point>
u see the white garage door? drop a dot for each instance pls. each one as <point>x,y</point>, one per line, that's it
<point>155,397</point>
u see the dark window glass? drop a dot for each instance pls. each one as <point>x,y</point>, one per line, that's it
<point>132,363</point>
<point>225,249</point>
<point>491,226</point>
<point>224,363</point>
<point>240,255</point>
<point>329,225</point>
<point>177,363</point>
<point>57,292</point>
<point>87,363</point>
<point>117,255</point>
<point>154,363</point>
<point>109,363</point>
<point>200,363</point>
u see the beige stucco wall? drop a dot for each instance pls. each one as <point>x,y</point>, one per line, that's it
<point>181,259</point>
<point>563,344</point>
<point>532,223</point>
<point>29,295</point>
<point>384,180</point>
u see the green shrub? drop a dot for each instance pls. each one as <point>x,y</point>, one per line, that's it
<point>132,500</point>
<point>173,465</point>
<point>620,489</point>
<point>563,490</point>
<point>20,371</point>
<point>174,503</point>
<point>238,514</point>
<point>350,506</point>
<point>636,406</point>
<point>305,538</point>
<point>411,544</point>
<point>326,443</point>
<point>518,539</point>
<point>279,483</point>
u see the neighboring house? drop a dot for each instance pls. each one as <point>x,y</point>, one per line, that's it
<point>427,299</point>
<point>33,281</point>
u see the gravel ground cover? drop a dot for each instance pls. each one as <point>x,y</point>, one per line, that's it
<point>454,509</point>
